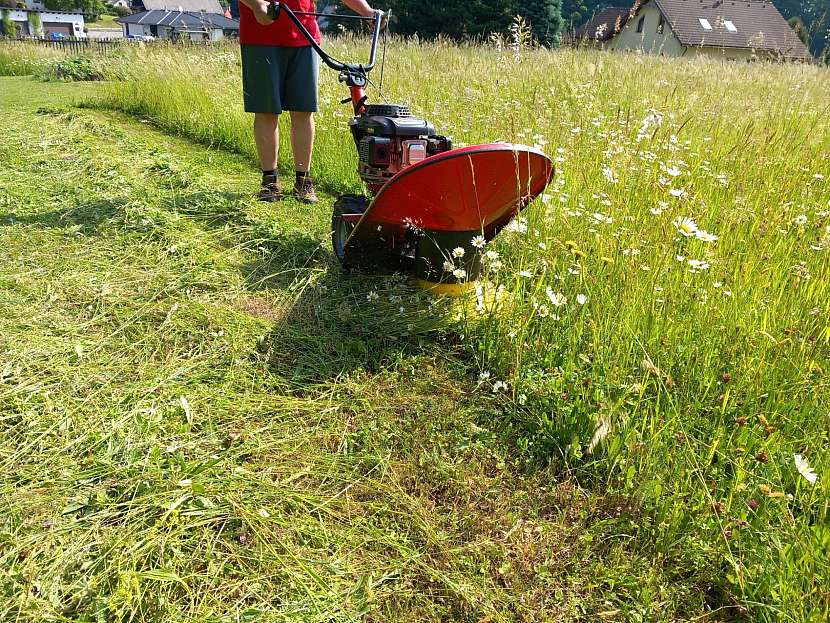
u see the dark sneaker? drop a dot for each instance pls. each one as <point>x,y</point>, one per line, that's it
<point>270,190</point>
<point>304,190</point>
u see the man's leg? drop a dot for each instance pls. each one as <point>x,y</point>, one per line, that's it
<point>302,139</point>
<point>266,136</point>
<point>302,143</point>
<point>261,90</point>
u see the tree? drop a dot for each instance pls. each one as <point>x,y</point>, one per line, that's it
<point>94,7</point>
<point>815,19</point>
<point>800,30</point>
<point>456,19</point>
<point>35,24</point>
<point>59,5</point>
<point>9,27</point>
<point>545,18</point>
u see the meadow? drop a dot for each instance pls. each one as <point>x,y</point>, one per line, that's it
<point>628,419</point>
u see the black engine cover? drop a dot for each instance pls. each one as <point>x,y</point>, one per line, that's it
<point>394,126</point>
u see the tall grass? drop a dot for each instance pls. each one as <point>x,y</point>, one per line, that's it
<point>678,370</point>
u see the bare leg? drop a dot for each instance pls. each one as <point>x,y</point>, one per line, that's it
<point>302,139</point>
<point>266,137</point>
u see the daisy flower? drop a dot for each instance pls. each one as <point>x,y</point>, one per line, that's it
<point>556,298</point>
<point>705,236</point>
<point>804,469</point>
<point>686,226</point>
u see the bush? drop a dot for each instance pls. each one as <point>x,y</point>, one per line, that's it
<point>35,24</point>
<point>76,68</point>
<point>121,11</point>
<point>8,26</point>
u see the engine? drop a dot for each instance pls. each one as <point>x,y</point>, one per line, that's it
<point>390,139</point>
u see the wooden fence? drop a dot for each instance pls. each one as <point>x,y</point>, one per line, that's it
<point>102,46</point>
<point>79,46</point>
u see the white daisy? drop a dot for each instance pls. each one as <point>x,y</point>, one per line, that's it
<point>705,236</point>
<point>556,298</point>
<point>686,226</point>
<point>478,242</point>
<point>458,252</point>
<point>581,299</point>
<point>804,469</point>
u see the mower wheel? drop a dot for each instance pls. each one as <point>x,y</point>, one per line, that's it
<point>341,228</point>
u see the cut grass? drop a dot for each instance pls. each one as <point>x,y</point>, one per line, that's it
<point>202,420</point>
<point>679,392</point>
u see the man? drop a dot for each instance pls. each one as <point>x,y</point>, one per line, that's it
<point>280,72</point>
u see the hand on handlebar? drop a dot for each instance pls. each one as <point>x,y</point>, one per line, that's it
<point>261,12</point>
<point>384,19</point>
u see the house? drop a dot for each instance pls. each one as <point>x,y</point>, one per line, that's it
<point>747,29</point>
<point>48,24</point>
<point>601,27</point>
<point>186,6</point>
<point>177,25</point>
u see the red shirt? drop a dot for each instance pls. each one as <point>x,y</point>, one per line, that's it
<point>282,32</point>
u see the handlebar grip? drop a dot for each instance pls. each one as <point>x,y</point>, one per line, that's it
<point>273,10</point>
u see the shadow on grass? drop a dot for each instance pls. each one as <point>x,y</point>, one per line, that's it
<point>326,322</point>
<point>87,218</point>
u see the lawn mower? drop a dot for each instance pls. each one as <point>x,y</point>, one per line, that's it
<point>431,208</point>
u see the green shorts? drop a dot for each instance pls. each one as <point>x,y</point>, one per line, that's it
<point>279,78</point>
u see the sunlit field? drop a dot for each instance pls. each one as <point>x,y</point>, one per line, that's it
<point>654,331</point>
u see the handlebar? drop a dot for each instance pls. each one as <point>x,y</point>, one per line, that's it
<point>274,9</point>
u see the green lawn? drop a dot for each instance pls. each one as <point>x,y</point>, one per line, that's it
<point>105,21</point>
<point>204,421</point>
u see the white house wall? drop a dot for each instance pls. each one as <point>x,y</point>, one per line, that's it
<point>76,22</point>
<point>726,53</point>
<point>136,29</point>
<point>649,40</point>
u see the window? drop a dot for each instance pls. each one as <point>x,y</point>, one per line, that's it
<point>729,26</point>
<point>705,23</point>
<point>640,24</point>
<point>661,25</point>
